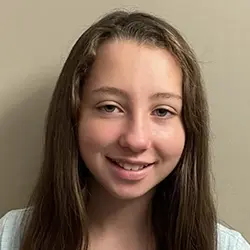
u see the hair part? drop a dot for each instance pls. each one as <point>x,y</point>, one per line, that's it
<point>183,212</point>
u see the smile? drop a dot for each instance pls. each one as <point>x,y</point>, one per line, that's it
<point>130,166</point>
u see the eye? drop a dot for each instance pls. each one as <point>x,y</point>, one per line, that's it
<point>162,112</point>
<point>109,108</point>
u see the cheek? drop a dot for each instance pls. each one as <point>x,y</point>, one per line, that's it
<point>95,135</point>
<point>170,140</point>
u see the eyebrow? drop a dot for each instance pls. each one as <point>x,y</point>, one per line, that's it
<point>123,94</point>
<point>111,91</point>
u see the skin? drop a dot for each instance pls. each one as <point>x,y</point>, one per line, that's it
<point>123,116</point>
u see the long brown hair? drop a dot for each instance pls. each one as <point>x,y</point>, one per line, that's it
<point>183,212</point>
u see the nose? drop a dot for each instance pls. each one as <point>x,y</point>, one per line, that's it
<point>136,135</point>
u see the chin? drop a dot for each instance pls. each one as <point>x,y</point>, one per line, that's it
<point>130,193</point>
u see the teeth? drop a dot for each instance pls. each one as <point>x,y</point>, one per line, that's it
<point>130,166</point>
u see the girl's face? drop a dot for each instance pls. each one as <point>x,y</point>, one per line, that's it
<point>130,134</point>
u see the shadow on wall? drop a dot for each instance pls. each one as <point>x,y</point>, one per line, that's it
<point>21,141</point>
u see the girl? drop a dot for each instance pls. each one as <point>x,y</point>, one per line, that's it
<point>126,157</point>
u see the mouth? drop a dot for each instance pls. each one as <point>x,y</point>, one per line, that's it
<point>129,166</point>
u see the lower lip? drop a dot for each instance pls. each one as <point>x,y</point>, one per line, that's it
<point>129,174</point>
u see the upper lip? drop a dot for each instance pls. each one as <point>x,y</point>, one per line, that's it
<point>131,161</point>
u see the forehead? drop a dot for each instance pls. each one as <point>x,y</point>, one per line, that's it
<point>134,67</point>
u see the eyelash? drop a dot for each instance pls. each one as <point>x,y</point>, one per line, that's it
<point>103,109</point>
<point>169,113</point>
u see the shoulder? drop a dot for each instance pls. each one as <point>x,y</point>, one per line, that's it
<point>229,239</point>
<point>11,229</point>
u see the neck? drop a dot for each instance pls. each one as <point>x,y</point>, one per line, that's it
<point>123,219</point>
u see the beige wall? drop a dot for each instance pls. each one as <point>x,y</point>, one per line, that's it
<point>35,38</point>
